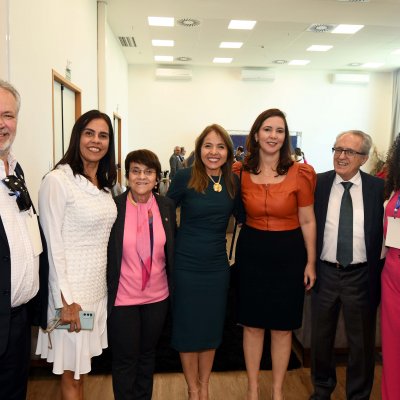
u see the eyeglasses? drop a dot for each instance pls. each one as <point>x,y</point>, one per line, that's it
<point>347,152</point>
<point>19,190</point>
<point>138,172</point>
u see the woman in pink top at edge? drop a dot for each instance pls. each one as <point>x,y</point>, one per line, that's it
<point>390,279</point>
<point>140,257</point>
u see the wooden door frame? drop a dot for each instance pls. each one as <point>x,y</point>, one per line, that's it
<point>56,77</point>
<point>119,161</point>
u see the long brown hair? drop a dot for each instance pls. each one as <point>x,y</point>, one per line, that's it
<point>199,179</point>
<point>252,160</point>
<point>392,164</point>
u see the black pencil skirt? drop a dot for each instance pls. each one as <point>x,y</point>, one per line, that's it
<point>270,278</point>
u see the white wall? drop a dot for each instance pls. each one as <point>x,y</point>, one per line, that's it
<point>44,35</point>
<point>117,86</point>
<point>164,114</point>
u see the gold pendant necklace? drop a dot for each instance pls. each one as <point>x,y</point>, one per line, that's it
<point>216,185</point>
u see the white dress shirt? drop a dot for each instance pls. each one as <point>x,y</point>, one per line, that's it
<point>332,221</point>
<point>24,265</point>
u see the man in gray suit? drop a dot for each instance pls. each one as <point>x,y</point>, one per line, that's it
<point>175,162</point>
<point>349,214</point>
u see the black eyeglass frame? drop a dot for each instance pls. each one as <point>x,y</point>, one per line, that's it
<point>347,152</point>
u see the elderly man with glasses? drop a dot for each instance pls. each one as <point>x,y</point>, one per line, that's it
<point>21,253</point>
<point>349,214</point>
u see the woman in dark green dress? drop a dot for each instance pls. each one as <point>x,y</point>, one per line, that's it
<point>206,194</point>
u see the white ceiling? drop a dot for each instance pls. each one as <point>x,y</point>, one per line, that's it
<point>280,32</point>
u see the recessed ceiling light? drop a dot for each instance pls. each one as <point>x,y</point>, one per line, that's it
<point>164,58</point>
<point>188,22</point>
<point>349,29</point>
<point>161,21</point>
<point>241,24</point>
<point>372,64</point>
<point>318,47</point>
<point>183,58</point>
<point>395,52</point>
<point>354,64</point>
<point>279,61</point>
<point>231,45</point>
<point>162,43</point>
<point>299,62</point>
<point>222,60</point>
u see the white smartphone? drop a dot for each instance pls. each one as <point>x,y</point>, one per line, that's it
<point>86,318</point>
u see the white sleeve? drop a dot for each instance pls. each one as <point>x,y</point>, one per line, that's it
<point>53,199</point>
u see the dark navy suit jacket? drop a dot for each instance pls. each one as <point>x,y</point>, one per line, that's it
<point>37,307</point>
<point>372,189</point>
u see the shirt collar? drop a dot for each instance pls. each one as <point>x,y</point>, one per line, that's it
<point>355,180</point>
<point>12,162</point>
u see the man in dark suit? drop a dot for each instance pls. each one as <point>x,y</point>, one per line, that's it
<point>349,214</point>
<point>22,251</point>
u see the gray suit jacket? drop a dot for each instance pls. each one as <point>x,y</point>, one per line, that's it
<point>372,189</point>
<point>168,216</point>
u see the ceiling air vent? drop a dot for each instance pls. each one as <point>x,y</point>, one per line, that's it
<point>127,41</point>
<point>321,28</point>
<point>188,22</point>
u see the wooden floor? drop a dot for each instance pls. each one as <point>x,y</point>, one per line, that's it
<point>223,386</point>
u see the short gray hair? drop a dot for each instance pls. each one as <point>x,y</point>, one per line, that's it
<point>11,89</point>
<point>366,140</point>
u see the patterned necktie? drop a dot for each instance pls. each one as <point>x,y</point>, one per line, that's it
<point>344,251</point>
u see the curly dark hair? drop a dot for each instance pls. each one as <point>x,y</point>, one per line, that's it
<point>252,159</point>
<point>106,172</point>
<point>392,182</point>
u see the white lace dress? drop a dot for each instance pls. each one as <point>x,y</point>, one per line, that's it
<point>76,218</point>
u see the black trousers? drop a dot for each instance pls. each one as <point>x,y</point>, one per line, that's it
<point>134,332</point>
<point>14,362</point>
<point>346,289</point>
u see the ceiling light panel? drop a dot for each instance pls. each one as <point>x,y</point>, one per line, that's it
<point>241,24</point>
<point>372,65</point>
<point>162,43</point>
<point>161,21</point>
<point>222,60</point>
<point>299,62</point>
<point>230,45</point>
<point>347,29</point>
<point>319,47</point>
<point>164,58</point>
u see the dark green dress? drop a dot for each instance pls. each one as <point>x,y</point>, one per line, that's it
<point>201,268</point>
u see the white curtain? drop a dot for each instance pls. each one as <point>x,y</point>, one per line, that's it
<point>396,105</point>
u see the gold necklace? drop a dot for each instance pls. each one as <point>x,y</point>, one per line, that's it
<point>216,185</point>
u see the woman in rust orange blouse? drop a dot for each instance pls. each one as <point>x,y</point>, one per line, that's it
<point>275,252</point>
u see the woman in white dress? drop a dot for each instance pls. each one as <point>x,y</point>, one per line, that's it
<point>77,212</point>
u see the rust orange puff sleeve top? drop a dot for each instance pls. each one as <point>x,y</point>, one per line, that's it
<point>274,207</point>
